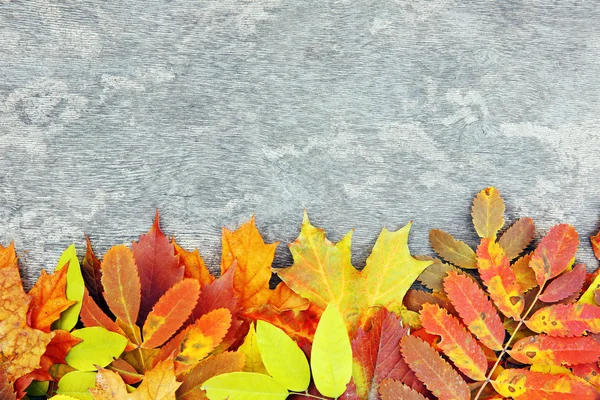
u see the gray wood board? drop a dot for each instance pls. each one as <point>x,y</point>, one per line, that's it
<point>365,113</point>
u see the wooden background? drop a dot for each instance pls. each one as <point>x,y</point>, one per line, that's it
<point>366,113</point>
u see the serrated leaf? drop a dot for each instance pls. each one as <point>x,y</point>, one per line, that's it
<point>48,299</point>
<point>456,343</point>
<point>222,363</point>
<point>99,347</point>
<point>588,372</point>
<point>331,354</point>
<point>565,285</point>
<point>517,237</point>
<point>249,349</point>
<point>524,274</point>
<point>589,296</point>
<point>282,357</point>
<point>543,349</point>
<point>596,244</point>
<point>92,274</point>
<point>524,384</point>
<point>439,377</point>
<point>157,265</point>
<point>170,312</point>
<point>92,315</point>
<point>488,213</point>
<point>394,390</point>
<point>193,265</point>
<point>77,384</point>
<point>454,251</point>
<point>75,287</point>
<point>475,309</point>
<point>499,278</point>
<point>566,320</point>
<point>244,386</point>
<point>555,253</point>
<point>433,276</point>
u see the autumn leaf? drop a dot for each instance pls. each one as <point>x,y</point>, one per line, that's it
<point>109,386</point>
<point>488,213</point>
<point>588,372</point>
<point>323,273</point>
<point>92,315</point>
<point>193,265</point>
<point>439,377</point>
<point>300,325</point>
<point>524,384</point>
<point>517,237</point>
<point>376,356</point>
<point>74,290</point>
<point>393,390</point>
<point>565,285</point>
<point>475,309</point>
<point>499,278</point>
<point>98,348</point>
<point>48,299</point>
<point>524,274</point>
<point>56,351</point>
<point>454,251</point>
<point>157,265</point>
<point>249,349</point>
<point>596,244</point>
<point>543,349</point>
<point>456,342</point>
<point>555,253</point>
<point>566,320</point>
<point>7,391</point>
<point>170,312</point>
<point>92,274</point>
<point>125,371</point>
<point>244,386</point>
<point>433,276</point>
<point>76,384</point>
<point>222,363</point>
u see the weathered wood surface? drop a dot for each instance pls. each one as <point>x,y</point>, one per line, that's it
<point>366,113</point>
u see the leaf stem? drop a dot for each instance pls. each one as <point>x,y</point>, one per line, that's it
<point>508,343</point>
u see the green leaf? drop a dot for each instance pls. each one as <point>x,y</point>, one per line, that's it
<point>75,288</point>
<point>76,384</point>
<point>38,388</point>
<point>244,386</point>
<point>282,357</point>
<point>331,355</point>
<point>99,347</point>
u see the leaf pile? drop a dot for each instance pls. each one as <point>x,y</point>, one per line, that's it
<point>503,319</point>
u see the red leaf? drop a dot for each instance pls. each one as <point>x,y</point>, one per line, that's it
<point>566,320</point>
<point>596,244</point>
<point>565,285</point>
<point>158,267</point>
<point>126,371</point>
<point>555,252</point>
<point>92,315</point>
<point>393,390</point>
<point>92,274</point>
<point>543,349</point>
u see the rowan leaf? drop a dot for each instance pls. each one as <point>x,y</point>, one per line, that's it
<point>588,372</point>
<point>244,386</point>
<point>125,371</point>
<point>565,285</point>
<point>21,347</point>
<point>376,356</point>
<point>282,357</point>
<point>92,315</point>
<point>475,309</point>
<point>170,312</point>
<point>566,320</point>
<point>524,384</point>
<point>74,291</point>
<point>331,354</point>
<point>157,265</point>
<point>456,342</point>
<point>99,347</point>
<point>488,213</point>
<point>499,278</point>
<point>48,299</point>
<point>596,244</point>
<point>433,276</point>
<point>77,384</point>
<point>251,353</point>
<point>555,253</point>
<point>543,349</point>
<point>454,251</point>
<point>393,390</point>
<point>517,237</point>
<point>92,273</point>
<point>122,286</point>
<point>193,265</point>
<point>439,377</point>
<point>589,296</point>
<point>222,363</point>
<point>524,274</point>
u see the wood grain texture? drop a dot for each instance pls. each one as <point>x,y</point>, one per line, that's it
<point>366,113</point>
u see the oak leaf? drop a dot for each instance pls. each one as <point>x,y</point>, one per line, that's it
<point>454,251</point>
<point>48,299</point>
<point>488,213</point>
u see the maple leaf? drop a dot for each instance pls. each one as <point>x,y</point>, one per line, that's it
<point>555,253</point>
<point>376,356</point>
<point>48,299</point>
<point>488,213</point>
<point>566,320</point>
<point>543,349</point>
<point>7,392</point>
<point>193,265</point>
<point>21,347</point>
<point>439,377</point>
<point>392,390</point>
<point>323,273</point>
<point>517,237</point>
<point>157,265</point>
<point>475,309</point>
<point>565,285</point>
<point>454,251</point>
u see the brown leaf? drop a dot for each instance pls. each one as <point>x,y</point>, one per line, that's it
<point>488,213</point>
<point>92,274</point>
<point>433,276</point>
<point>517,237</point>
<point>454,251</point>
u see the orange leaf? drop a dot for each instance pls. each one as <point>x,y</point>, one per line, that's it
<point>488,213</point>
<point>109,386</point>
<point>393,390</point>
<point>125,371</point>
<point>193,265</point>
<point>524,384</point>
<point>92,315</point>
<point>475,309</point>
<point>454,251</point>
<point>158,384</point>
<point>555,252</point>
<point>566,319</point>
<point>283,298</point>
<point>517,237</point>
<point>170,312</point>
<point>543,349</point>
<point>524,274</point>
<point>459,345</point>
<point>48,299</point>
<point>565,285</point>
<point>589,372</point>
<point>596,244</point>
<point>499,278</point>
<point>439,377</point>
<point>7,391</point>
<point>222,363</point>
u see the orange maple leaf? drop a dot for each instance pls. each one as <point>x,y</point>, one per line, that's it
<point>48,299</point>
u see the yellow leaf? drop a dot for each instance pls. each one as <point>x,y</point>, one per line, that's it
<point>244,386</point>
<point>488,213</point>
<point>75,288</point>
<point>250,350</point>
